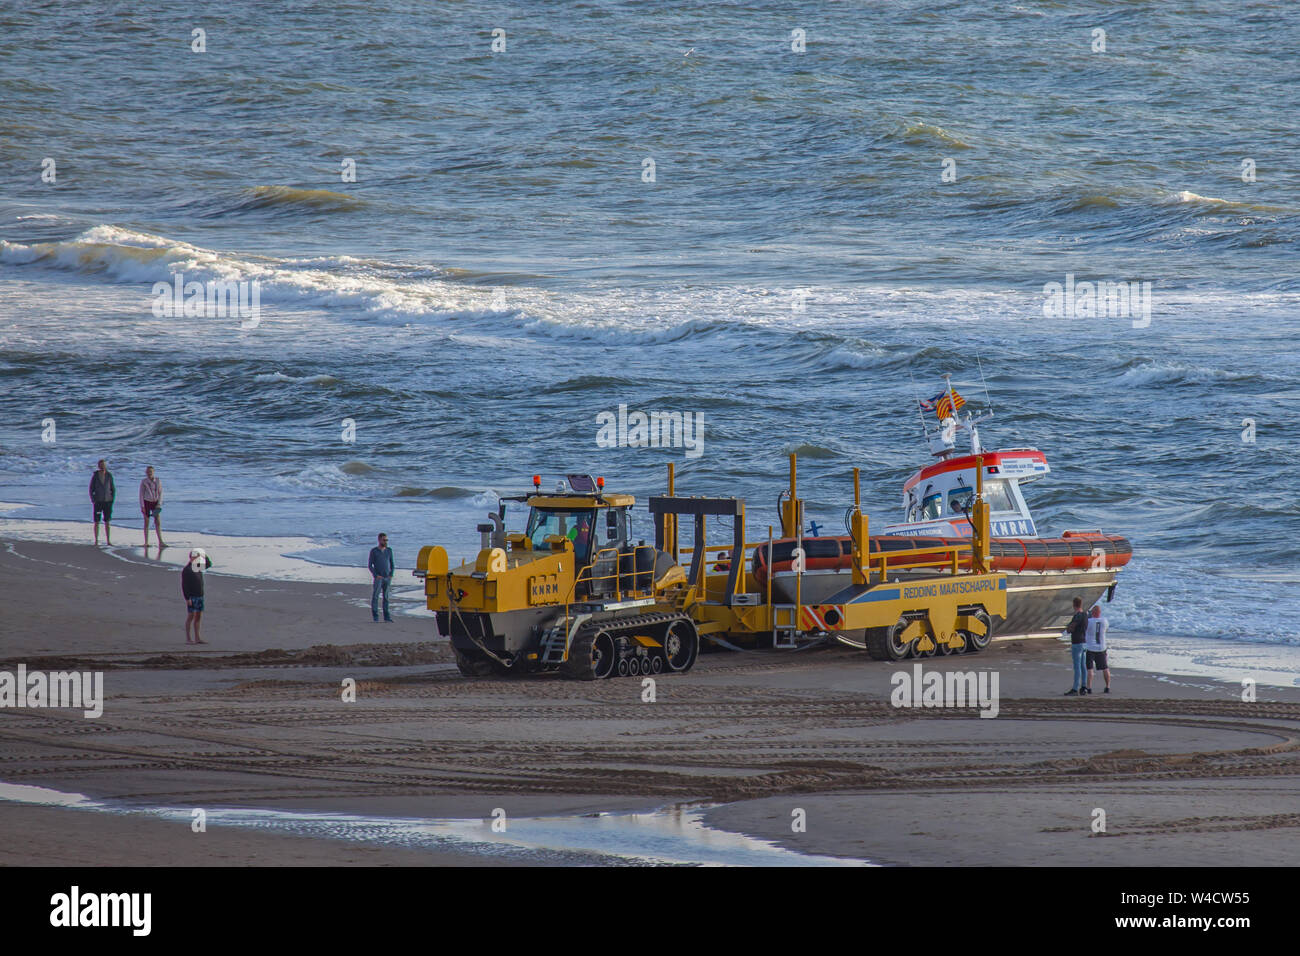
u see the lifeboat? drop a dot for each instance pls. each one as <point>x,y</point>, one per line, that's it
<point>1044,573</point>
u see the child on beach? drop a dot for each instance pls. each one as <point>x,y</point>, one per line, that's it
<point>151,495</point>
<point>192,589</point>
<point>102,493</point>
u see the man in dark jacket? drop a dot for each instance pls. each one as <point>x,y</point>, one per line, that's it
<point>1078,630</point>
<point>192,589</point>
<point>102,493</point>
<point>381,570</point>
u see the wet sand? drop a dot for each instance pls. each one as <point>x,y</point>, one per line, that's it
<point>1187,772</point>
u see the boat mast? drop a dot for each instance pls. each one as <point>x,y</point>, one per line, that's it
<point>971,423</point>
<point>920,412</point>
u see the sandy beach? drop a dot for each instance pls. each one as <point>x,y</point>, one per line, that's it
<point>1186,772</point>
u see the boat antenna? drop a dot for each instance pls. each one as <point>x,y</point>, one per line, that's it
<point>916,397</point>
<point>987,400</point>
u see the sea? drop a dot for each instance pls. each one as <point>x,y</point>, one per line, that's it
<point>474,229</point>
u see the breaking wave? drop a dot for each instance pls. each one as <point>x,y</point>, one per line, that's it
<point>1173,373</point>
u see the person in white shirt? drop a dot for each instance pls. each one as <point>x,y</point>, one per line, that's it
<point>1094,640</point>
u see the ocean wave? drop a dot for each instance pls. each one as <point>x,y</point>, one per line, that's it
<point>1146,372</point>
<point>848,358</point>
<point>158,428</point>
<point>318,477</point>
<point>125,255</point>
<point>1215,203</point>
<point>390,294</point>
<point>362,290</point>
<point>292,197</point>
<point>444,493</point>
<point>817,452</point>
<point>1090,202</point>
<point>267,377</point>
<point>928,134</point>
<point>584,383</point>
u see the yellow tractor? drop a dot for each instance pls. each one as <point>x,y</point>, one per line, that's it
<point>571,592</point>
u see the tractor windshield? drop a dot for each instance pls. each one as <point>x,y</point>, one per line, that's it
<point>575,525</point>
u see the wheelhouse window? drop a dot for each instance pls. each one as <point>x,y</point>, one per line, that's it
<point>961,500</point>
<point>996,493</point>
<point>932,506</point>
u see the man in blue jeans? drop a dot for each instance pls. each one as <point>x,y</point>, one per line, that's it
<point>1078,630</point>
<point>381,569</point>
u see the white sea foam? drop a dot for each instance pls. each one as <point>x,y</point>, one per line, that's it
<point>1168,373</point>
<point>127,256</point>
<point>319,477</point>
<point>1189,196</point>
<point>855,358</point>
<point>398,294</point>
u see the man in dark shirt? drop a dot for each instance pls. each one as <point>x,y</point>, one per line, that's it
<point>381,570</point>
<point>192,589</point>
<point>1078,629</point>
<point>102,493</point>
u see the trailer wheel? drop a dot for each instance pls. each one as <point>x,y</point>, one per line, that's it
<point>977,642</point>
<point>884,644</point>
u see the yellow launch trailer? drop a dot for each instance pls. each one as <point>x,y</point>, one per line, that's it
<point>935,606</point>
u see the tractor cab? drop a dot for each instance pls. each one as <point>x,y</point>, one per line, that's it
<point>581,516</point>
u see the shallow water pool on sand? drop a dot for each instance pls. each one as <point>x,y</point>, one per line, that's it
<point>669,836</point>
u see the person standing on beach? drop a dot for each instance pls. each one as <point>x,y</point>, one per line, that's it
<point>102,493</point>
<point>1077,629</point>
<point>151,494</point>
<point>192,589</point>
<point>381,570</point>
<point>1095,642</point>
